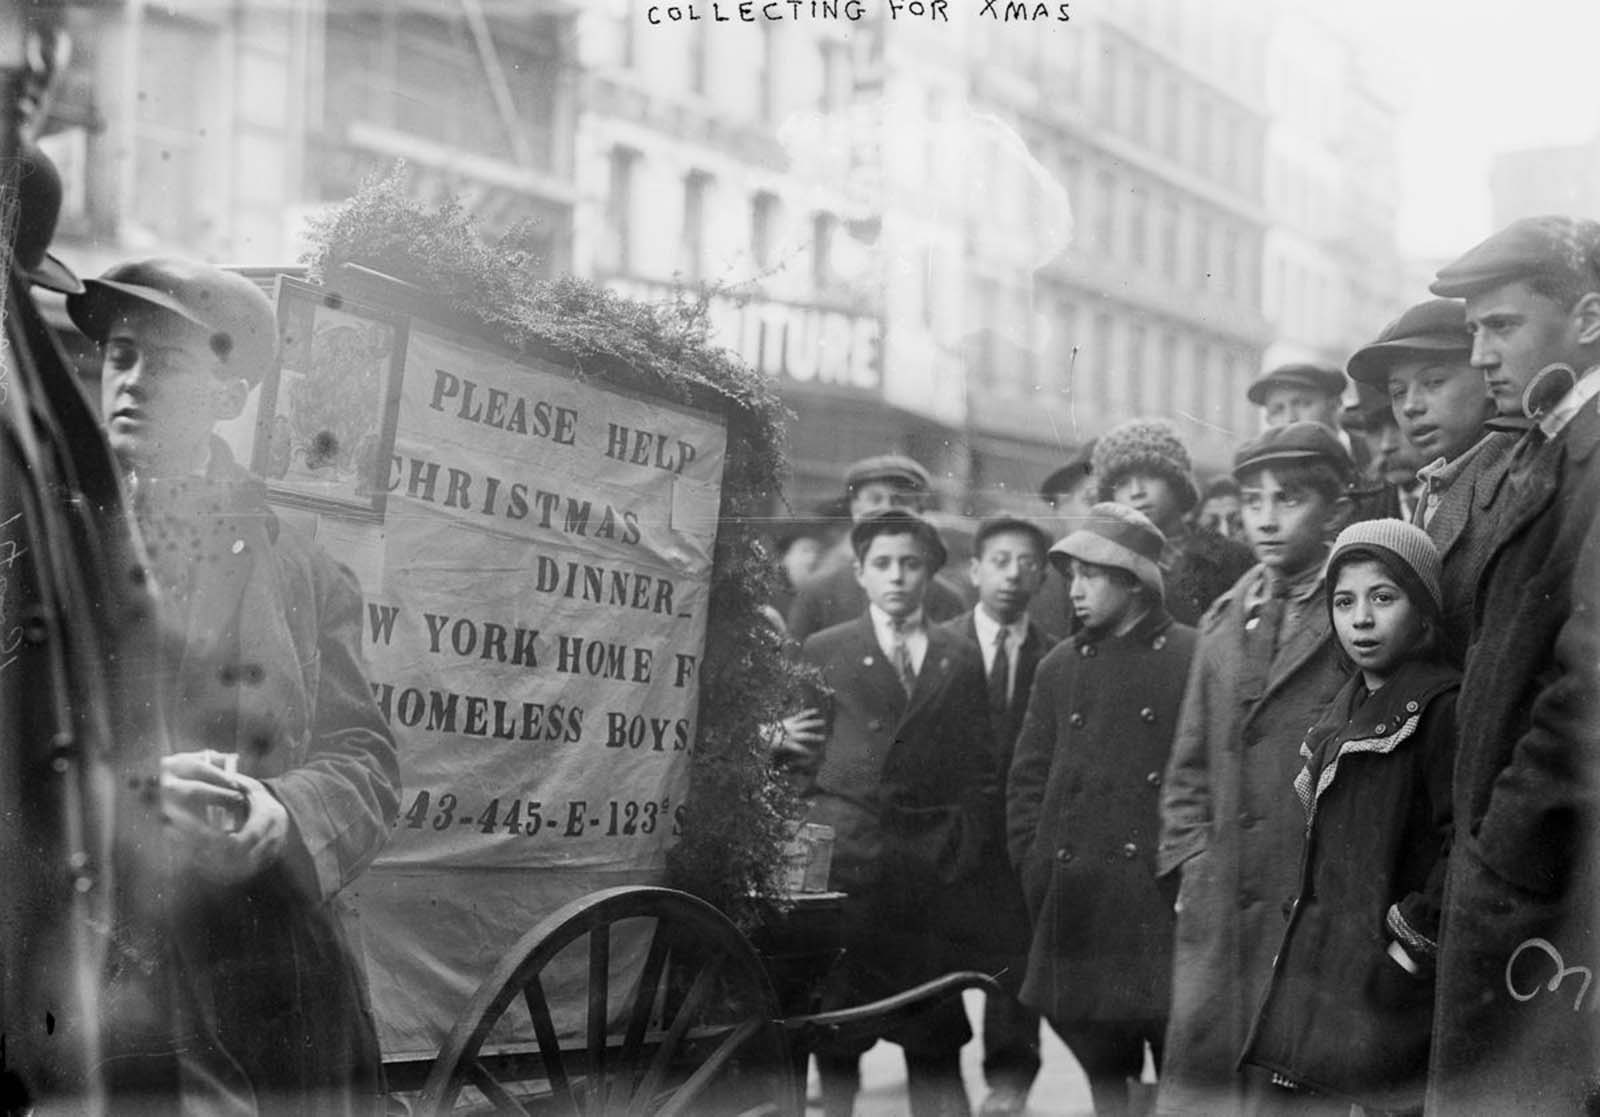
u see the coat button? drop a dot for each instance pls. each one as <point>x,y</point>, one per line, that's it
<point>1153,779</point>
<point>874,725</point>
<point>1076,721</point>
<point>1130,851</point>
<point>1412,707</point>
<point>1158,643</point>
<point>1147,714</point>
<point>1246,820</point>
<point>1063,855</point>
<point>1381,728</point>
<point>1087,650</point>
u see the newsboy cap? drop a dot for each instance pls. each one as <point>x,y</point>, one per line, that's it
<point>39,192</point>
<point>1064,479</point>
<point>236,314</point>
<point>895,468</point>
<point>1434,327</point>
<point>898,521</point>
<point>1562,248</point>
<point>1304,441</point>
<point>1319,378</point>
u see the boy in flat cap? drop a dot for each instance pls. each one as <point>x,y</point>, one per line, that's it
<point>1422,363</point>
<point>1143,464</point>
<point>1301,392</point>
<point>884,481</point>
<point>905,780</point>
<point>269,680</point>
<point>990,922</point>
<point>1265,668</point>
<point>1519,916</point>
<point>1081,806</point>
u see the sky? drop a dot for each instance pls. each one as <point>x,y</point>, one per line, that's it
<point>1477,77</point>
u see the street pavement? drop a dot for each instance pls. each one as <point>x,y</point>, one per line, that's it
<point>1060,1091</point>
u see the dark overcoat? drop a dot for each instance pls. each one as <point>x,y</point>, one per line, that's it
<point>1230,818</point>
<point>1517,1027</point>
<point>1204,567</point>
<point>270,668</point>
<point>906,783</point>
<point>988,925</point>
<point>837,598</point>
<point>1340,1015</point>
<point>1081,821</point>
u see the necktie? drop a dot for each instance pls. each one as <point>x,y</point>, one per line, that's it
<point>901,656</point>
<point>999,674</point>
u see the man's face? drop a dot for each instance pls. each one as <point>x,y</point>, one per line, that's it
<point>1440,404</point>
<point>1516,332</point>
<point>1151,493</point>
<point>801,559</point>
<point>1220,514</point>
<point>1006,573</point>
<point>872,495</point>
<point>1287,528</point>
<point>1294,403</point>
<point>160,390</point>
<point>1100,600</point>
<point>894,573</point>
<point>1075,502</point>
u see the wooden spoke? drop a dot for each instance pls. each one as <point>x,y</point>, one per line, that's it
<point>497,1094</point>
<point>544,1030</point>
<point>644,999</point>
<point>707,1071</point>
<point>599,995</point>
<point>704,981</point>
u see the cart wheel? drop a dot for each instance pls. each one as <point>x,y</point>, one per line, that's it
<point>678,1017</point>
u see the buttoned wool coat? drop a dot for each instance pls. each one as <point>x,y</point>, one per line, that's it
<point>1082,817</point>
<point>906,782</point>
<point>1230,818</point>
<point>270,668</point>
<point>1517,1028</point>
<point>1341,1016</point>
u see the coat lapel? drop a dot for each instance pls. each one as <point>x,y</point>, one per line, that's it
<point>935,669</point>
<point>875,670</point>
<point>1301,642</point>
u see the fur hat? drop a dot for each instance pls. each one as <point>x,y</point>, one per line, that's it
<point>1403,549</point>
<point>1118,536</point>
<point>1151,445</point>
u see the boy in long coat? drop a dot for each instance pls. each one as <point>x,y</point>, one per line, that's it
<point>906,782</point>
<point>989,925</point>
<point>1266,667</point>
<point>1081,803</point>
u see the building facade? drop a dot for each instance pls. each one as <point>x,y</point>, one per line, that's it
<point>1542,180</point>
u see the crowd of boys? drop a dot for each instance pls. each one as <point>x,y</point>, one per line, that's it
<point>1085,780</point>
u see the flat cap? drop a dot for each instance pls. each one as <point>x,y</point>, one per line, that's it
<point>894,468</point>
<point>1062,480</point>
<point>1563,248</point>
<point>236,314</point>
<point>1433,327</point>
<point>1304,441</point>
<point>898,521</point>
<point>993,525</point>
<point>1319,378</point>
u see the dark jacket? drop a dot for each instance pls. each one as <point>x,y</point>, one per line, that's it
<point>1229,816</point>
<point>837,598</point>
<point>906,783</point>
<point>1341,1016</point>
<point>1081,821</point>
<point>271,669</point>
<point>1462,529</point>
<point>1206,564</point>
<point>1513,1032</point>
<point>986,920</point>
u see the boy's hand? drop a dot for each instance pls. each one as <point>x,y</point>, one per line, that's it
<point>190,784</point>
<point>801,734</point>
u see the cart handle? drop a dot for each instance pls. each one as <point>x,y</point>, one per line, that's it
<point>876,1017</point>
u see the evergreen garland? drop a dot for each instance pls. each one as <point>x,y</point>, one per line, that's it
<point>731,850</point>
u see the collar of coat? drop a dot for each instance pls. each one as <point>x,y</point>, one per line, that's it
<point>1386,720</point>
<point>1151,628</point>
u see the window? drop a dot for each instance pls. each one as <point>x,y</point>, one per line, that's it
<point>834,93</point>
<point>824,227</point>
<point>1202,253</point>
<point>696,185</point>
<point>1138,231</point>
<point>1170,120</point>
<point>1169,241</point>
<point>1202,381</point>
<point>763,229</point>
<point>173,117</point>
<point>618,251</point>
<point>1202,138</point>
<point>1098,368</point>
<point>1139,103</point>
<point>699,58</point>
<point>1137,368</point>
<point>1232,280</point>
<point>1105,212</point>
<point>1108,86</point>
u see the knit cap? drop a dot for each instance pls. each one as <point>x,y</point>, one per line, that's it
<point>1403,549</point>
<point>1118,536</point>
<point>1148,445</point>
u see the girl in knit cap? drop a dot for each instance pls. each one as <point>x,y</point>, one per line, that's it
<point>1348,1013</point>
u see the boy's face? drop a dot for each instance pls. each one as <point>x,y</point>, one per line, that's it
<point>1006,574</point>
<point>873,495</point>
<point>894,573</point>
<point>1378,625</point>
<point>1287,528</point>
<point>1076,501</point>
<point>1151,493</point>
<point>1100,599</point>
<point>1294,403</point>
<point>1439,404</point>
